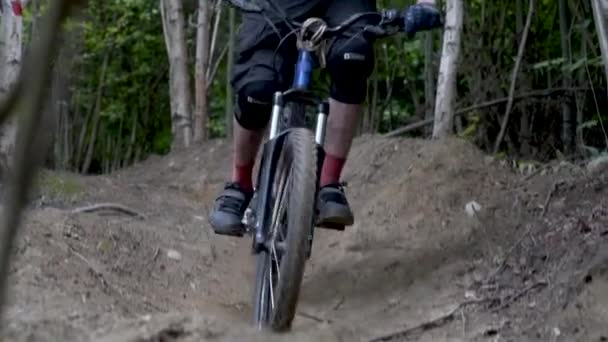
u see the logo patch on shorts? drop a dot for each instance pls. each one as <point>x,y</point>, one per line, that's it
<point>254,101</point>
<point>352,56</point>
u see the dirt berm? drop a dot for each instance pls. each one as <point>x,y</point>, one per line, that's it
<point>530,264</point>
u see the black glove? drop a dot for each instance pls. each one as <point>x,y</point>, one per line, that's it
<point>421,17</point>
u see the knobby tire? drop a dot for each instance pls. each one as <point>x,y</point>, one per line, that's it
<point>296,176</point>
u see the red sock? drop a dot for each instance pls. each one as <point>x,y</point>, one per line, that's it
<point>332,169</point>
<point>242,174</point>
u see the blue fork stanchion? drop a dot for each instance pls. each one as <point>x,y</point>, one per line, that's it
<point>304,69</point>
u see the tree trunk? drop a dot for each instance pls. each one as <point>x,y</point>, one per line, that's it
<point>581,99</point>
<point>446,83</point>
<point>230,65</point>
<point>567,132</point>
<point>201,68</point>
<point>179,78</point>
<point>96,116</point>
<point>429,78</point>
<point>602,30</point>
<point>519,18</point>
<point>11,53</point>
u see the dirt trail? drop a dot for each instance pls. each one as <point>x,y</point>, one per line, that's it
<point>415,266</point>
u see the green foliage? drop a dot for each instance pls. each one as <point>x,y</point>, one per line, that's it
<point>136,89</point>
<point>129,34</point>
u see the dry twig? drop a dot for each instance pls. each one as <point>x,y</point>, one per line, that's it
<point>109,206</point>
<point>503,263</point>
<point>97,272</point>
<point>450,316</point>
<point>312,317</point>
<point>521,293</point>
<point>548,199</point>
<point>429,325</point>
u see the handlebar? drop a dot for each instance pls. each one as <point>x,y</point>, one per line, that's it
<point>313,31</point>
<point>389,22</point>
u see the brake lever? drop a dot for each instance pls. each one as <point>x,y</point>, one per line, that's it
<point>381,32</point>
<point>375,30</point>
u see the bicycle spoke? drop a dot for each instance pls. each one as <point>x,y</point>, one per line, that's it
<point>276,257</point>
<point>270,280</point>
<point>276,232</point>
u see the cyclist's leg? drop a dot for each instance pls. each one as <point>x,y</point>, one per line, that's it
<point>350,62</point>
<point>255,81</point>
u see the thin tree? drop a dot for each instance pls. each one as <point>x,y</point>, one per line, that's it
<point>602,30</point>
<point>429,76</point>
<point>568,138</point>
<point>202,65</point>
<point>446,83</point>
<point>520,54</point>
<point>174,29</point>
<point>230,67</point>
<point>11,36</point>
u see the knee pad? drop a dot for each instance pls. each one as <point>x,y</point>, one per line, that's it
<point>254,104</point>
<point>350,62</point>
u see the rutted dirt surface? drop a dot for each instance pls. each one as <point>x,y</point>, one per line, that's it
<point>531,264</point>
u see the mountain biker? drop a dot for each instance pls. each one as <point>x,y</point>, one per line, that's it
<point>259,72</point>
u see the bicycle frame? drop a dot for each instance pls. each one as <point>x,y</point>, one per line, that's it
<point>298,93</point>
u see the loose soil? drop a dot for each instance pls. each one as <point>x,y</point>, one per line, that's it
<point>530,264</point>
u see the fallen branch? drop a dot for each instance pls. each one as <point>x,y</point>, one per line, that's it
<point>503,263</point>
<point>109,206</point>
<point>520,55</point>
<point>410,127</point>
<point>312,317</point>
<point>491,103</point>
<point>98,274</point>
<point>32,142</point>
<point>521,293</point>
<point>429,325</point>
<point>548,199</point>
<point>450,316</point>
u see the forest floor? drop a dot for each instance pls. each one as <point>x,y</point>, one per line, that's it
<point>530,265</point>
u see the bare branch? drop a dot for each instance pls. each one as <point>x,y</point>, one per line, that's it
<point>520,55</point>
<point>31,141</point>
<point>538,93</point>
<point>216,65</point>
<point>417,330</point>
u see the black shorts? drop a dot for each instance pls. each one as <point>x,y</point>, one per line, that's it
<point>259,57</point>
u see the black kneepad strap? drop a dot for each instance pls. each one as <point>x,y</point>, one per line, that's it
<point>254,104</point>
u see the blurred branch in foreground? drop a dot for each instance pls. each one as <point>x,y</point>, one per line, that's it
<point>33,139</point>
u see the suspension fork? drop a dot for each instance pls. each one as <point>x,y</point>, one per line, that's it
<point>277,110</point>
<point>320,133</point>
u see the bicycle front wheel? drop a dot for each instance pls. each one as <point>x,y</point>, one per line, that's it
<point>280,266</point>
